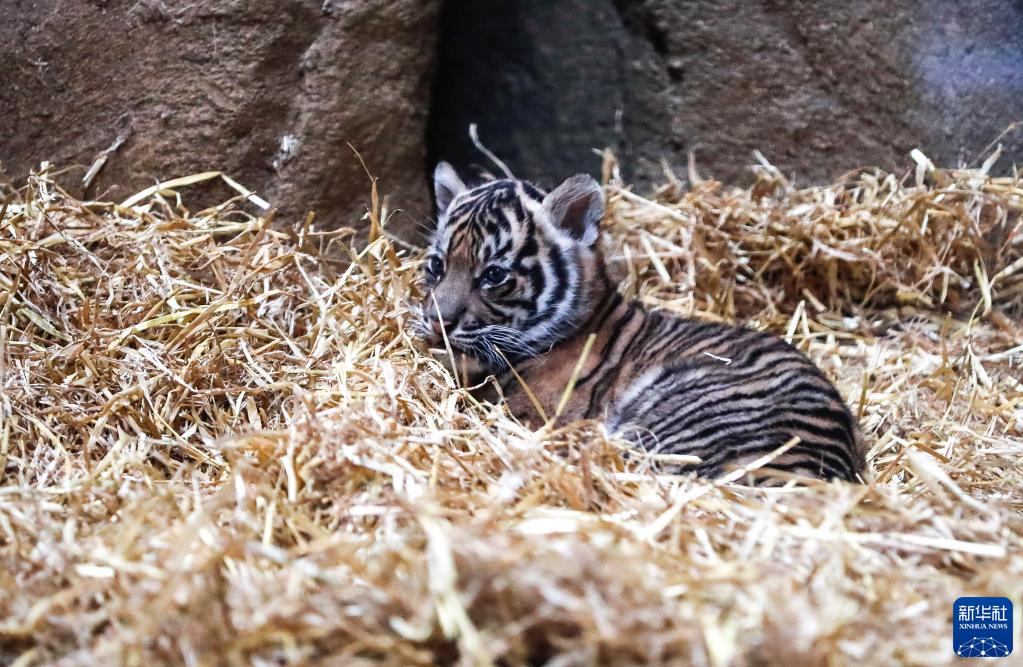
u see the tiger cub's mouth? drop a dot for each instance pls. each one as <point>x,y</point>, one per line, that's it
<point>493,345</point>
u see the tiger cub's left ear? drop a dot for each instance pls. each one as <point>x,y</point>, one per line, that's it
<point>577,207</point>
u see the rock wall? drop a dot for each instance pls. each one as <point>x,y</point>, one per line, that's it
<point>819,86</point>
<point>270,91</point>
<point>274,91</point>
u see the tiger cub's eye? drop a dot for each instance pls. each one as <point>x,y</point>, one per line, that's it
<point>434,266</point>
<point>494,275</point>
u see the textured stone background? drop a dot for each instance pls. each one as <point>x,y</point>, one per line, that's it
<point>273,91</point>
<point>820,87</point>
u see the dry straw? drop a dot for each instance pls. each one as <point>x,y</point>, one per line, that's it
<point>217,450</point>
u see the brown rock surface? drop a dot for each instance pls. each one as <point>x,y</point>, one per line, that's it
<point>269,91</point>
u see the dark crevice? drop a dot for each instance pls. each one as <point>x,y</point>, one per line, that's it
<point>544,82</point>
<point>478,46</point>
<point>642,23</point>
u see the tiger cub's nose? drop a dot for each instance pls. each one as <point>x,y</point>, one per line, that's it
<point>447,324</point>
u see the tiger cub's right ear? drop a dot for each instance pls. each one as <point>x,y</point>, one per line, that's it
<point>446,186</point>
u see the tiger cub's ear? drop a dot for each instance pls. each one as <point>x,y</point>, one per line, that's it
<point>576,207</point>
<point>446,186</point>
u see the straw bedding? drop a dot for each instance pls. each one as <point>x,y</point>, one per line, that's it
<point>218,446</point>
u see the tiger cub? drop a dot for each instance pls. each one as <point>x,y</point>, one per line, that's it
<point>514,278</point>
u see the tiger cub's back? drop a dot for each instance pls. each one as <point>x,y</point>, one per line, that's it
<point>730,395</point>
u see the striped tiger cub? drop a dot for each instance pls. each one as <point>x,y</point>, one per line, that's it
<point>515,279</point>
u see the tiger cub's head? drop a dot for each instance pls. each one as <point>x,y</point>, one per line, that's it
<point>511,270</point>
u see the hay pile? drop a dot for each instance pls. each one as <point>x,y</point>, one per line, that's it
<point>219,448</point>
